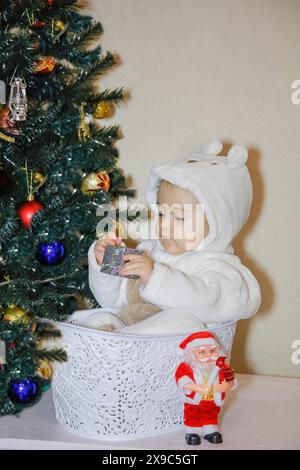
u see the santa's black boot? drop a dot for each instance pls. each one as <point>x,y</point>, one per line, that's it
<point>193,439</point>
<point>214,437</point>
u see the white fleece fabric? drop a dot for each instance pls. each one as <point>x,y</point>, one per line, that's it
<point>208,285</point>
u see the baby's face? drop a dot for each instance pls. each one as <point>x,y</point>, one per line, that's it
<point>182,223</point>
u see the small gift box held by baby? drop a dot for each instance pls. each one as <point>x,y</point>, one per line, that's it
<point>188,278</point>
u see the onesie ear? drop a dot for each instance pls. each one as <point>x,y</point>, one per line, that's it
<point>237,156</point>
<point>213,147</point>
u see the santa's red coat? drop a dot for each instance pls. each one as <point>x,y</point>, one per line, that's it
<point>203,412</point>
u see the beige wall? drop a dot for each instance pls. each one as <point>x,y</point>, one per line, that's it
<point>198,69</point>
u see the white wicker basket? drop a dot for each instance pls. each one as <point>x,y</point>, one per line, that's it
<point>120,387</point>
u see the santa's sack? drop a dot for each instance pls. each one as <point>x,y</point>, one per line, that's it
<point>120,387</point>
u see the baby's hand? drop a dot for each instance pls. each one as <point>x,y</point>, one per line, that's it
<point>109,239</point>
<point>141,265</point>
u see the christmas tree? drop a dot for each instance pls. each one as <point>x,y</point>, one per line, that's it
<point>58,164</point>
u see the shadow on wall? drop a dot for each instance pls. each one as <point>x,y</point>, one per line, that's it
<point>239,359</point>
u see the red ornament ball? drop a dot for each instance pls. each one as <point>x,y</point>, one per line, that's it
<point>28,210</point>
<point>38,24</point>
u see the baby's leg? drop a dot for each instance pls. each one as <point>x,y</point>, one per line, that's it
<point>98,319</point>
<point>173,321</point>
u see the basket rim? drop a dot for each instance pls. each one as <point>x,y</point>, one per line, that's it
<point>61,325</point>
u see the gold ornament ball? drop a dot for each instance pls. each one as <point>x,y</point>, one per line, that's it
<point>38,177</point>
<point>94,182</point>
<point>45,370</point>
<point>102,109</point>
<point>59,25</point>
<point>14,314</point>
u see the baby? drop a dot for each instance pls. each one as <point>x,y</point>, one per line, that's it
<point>189,277</point>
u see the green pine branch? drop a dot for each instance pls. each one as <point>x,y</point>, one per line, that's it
<point>55,354</point>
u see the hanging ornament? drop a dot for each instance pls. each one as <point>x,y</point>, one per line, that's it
<point>16,314</point>
<point>27,210</point>
<point>23,391</point>
<point>38,178</point>
<point>38,24</point>
<point>18,99</point>
<point>95,181</point>
<point>44,65</point>
<point>58,29</point>
<point>59,25</point>
<point>51,253</point>
<point>83,131</point>
<point>102,109</point>
<point>45,370</point>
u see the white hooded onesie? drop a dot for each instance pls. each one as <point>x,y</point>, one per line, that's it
<point>207,285</point>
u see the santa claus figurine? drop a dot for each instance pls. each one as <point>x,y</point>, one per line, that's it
<point>203,379</point>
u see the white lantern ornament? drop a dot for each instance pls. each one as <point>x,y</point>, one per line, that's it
<point>18,99</point>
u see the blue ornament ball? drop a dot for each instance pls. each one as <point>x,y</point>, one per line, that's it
<point>51,253</point>
<point>23,391</point>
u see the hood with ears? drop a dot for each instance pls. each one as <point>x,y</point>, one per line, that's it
<point>221,183</point>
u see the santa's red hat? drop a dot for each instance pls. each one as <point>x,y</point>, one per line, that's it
<point>197,339</point>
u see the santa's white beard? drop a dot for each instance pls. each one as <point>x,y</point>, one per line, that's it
<point>202,366</point>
